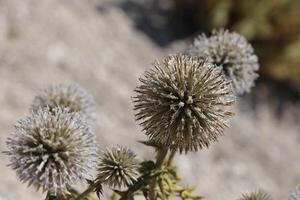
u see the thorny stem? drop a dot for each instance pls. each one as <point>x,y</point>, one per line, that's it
<point>152,190</point>
<point>161,155</point>
<point>90,189</point>
<point>160,158</point>
<point>163,196</point>
<point>171,157</point>
<point>144,179</point>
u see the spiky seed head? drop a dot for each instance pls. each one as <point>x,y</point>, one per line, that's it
<point>295,194</point>
<point>52,149</point>
<point>259,195</point>
<point>65,95</point>
<point>183,103</point>
<point>231,52</point>
<point>118,167</point>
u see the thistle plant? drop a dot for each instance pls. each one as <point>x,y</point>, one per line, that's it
<point>65,95</point>
<point>183,103</point>
<point>232,53</point>
<point>118,167</point>
<point>51,150</point>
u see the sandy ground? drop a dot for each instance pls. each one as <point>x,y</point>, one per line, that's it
<point>42,42</point>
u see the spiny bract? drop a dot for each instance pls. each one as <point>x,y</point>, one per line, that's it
<point>183,103</point>
<point>260,195</point>
<point>118,167</point>
<point>295,194</point>
<point>232,53</point>
<point>52,149</point>
<point>70,96</point>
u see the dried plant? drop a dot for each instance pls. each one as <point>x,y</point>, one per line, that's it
<point>118,167</point>
<point>183,103</point>
<point>70,96</point>
<point>51,150</point>
<point>232,53</point>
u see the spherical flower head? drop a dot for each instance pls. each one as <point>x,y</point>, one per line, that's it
<point>70,96</point>
<point>52,149</point>
<point>260,195</point>
<point>295,194</point>
<point>183,103</point>
<point>118,167</point>
<point>232,53</point>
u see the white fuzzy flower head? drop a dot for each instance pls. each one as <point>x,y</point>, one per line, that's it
<point>295,194</point>
<point>70,96</point>
<point>51,150</point>
<point>232,53</point>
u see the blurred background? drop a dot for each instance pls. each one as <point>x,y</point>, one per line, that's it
<point>105,45</point>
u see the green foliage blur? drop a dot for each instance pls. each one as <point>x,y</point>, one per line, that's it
<point>272,26</point>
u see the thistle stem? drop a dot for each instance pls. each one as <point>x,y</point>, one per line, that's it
<point>171,157</point>
<point>160,158</point>
<point>89,190</point>
<point>161,155</point>
<point>152,190</point>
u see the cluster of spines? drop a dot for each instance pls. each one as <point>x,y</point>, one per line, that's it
<point>232,53</point>
<point>67,95</point>
<point>259,195</point>
<point>183,103</point>
<point>52,149</point>
<point>118,167</point>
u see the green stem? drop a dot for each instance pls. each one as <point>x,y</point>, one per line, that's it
<point>152,190</point>
<point>163,196</point>
<point>89,190</point>
<point>160,158</point>
<point>143,181</point>
<point>50,197</point>
<point>161,155</point>
<point>171,157</point>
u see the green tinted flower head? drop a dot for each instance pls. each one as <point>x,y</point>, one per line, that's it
<point>118,167</point>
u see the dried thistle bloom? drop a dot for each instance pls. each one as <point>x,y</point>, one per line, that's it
<point>183,103</point>
<point>70,96</point>
<point>52,149</point>
<point>118,167</point>
<point>295,194</point>
<point>232,53</point>
<point>260,195</point>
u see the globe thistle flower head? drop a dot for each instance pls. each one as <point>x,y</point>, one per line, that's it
<point>118,167</point>
<point>52,149</point>
<point>260,195</point>
<point>70,96</point>
<point>183,103</point>
<point>232,53</point>
<point>295,194</point>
